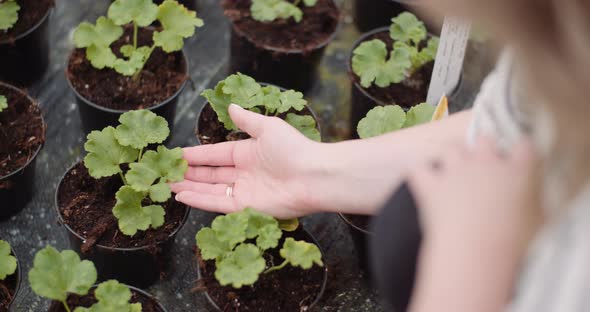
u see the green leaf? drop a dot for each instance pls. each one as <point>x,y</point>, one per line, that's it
<point>291,99</point>
<point>3,103</point>
<point>105,154</point>
<point>8,14</point>
<point>264,228</point>
<point>407,28</point>
<point>231,228</point>
<point>178,23</point>
<point>381,120</point>
<point>55,275</point>
<point>220,102</point>
<point>289,225</point>
<point>166,164</point>
<point>310,3</point>
<point>160,192</point>
<point>370,63</point>
<point>306,125</point>
<point>270,10</point>
<point>426,55</point>
<point>140,128</point>
<point>269,98</point>
<point>7,261</point>
<point>97,40</point>
<point>242,89</point>
<point>269,236</point>
<point>419,114</point>
<point>211,247</point>
<point>129,212</point>
<point>301,254</point>
<point>112,296</point>
<point>141,12</point>
<point>156,214</point>
<point>240,267</point>
<point>137,59</point>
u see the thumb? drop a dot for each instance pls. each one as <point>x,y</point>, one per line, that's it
<point>247,121</point>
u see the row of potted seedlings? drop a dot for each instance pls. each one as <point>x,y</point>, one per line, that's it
<point>122,182</point>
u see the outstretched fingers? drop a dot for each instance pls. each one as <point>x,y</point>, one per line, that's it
<point>208,202</point>
<point>212,174</point>
<point>221,154</point>
<point>196,187</point>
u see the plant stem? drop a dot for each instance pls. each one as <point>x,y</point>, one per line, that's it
<point>66,306</point>
<point>277,267</point>
<point>136,75</point>
<point>123,177</point>
<point>135,36</point>
<point>140,154</point>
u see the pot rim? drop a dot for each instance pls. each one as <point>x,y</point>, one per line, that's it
<point>19,277</point>
<point>43,124</point>
<point>120,111</point>
<point>141,292</point>
<point>320,293</point>
<point>321,45</point>
<point>307,106</point>
<point>123,249</point>
<point>360,88</point>
<point>32,29</point>
<point>354,226</point>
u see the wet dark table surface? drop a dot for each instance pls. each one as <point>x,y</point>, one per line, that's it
<point>36,226</point>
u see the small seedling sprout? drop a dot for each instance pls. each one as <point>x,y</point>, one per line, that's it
<point>238,241</point>
<point>370,59</point>
<point>270,10</point>
<point>148,173</point>
<point>8,14</point>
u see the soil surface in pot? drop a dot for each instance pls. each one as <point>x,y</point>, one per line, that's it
<point>407,93</point>
<point>7,291</point>
<point>30,14</point>
<point>318,24</point>
<point>22,131</point>
<point>147,304</point>
<point>288,289</point>
<point>161,78</point>
<point>211,130</point>
<point>86,206</point>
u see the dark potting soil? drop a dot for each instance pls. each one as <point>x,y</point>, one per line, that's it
<point>86,206</point>
<point>161,78</point>
<point>7,291</point>
<point>74,301</point>
<point>317,25</point>
<point>288,289</point>
<point>22,131</point>
<point>410,92</point>
<point>210,130</point>
<point>30,14</point>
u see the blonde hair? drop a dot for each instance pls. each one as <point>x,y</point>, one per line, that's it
<point>551,41</point>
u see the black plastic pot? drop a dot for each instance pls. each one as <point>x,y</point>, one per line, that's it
<point>25,60</point>
<point>307,109</point>
<point>139,266</point>
<point>56,304</point>
<point>292,69</point>
<point>371,14</point>
<point>361,101</point>
<point>322,289</point>
<point>360,238</point>
<point>16,188</point>
<point>96,117</point>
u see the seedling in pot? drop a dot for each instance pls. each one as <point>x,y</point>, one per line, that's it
<point>270,10</point>
<point>56,275</point>
<point>7,261</point>
<point>370,59</point>
<point>177,23</point>
<point>8,14</point>
<point>145,175</point>
<point>384,119</point>
<point>3,103</point>
<point>268,100</point>
<point>239,241</point>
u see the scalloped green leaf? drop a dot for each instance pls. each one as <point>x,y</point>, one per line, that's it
<point>270,10</point>
<point>381,120</point>
<point>269,236</point>
<point>129,212</point>
<point>291,99</point>
<point>264,228</point>
<point>137,59</point>
<point>310,3</point>
<point>141,12</point>
<point>55,275</point>
<point>8,14</point>
<point>240,267</point>
<point>140,128</point>
<point>211,247</point>
<point>242,89</point>
<point>157,215</point>
<point>220,102</point>
<point>112,296</point>
<point>178,23</point>
<point>167,164</point>
<point>370,63</point>
<point>426,55</point>
<point>231,228</point>
<point>97,40</point>
<point>3,103</point>
<point>305,124</point>
<point>160,192</point>
<point>419,114</point>
<point>105,154</point>
<point>406,27</point>
<point>301,254</point>
<point>8,262</point>
<point>269,97</point>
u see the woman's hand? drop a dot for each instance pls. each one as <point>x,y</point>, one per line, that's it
<point>265,171</point>
<point>479,210</point>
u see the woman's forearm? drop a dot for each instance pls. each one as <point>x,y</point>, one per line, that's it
<point>358,176</point>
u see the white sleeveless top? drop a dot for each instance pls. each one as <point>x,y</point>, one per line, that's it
<point>556,274</point>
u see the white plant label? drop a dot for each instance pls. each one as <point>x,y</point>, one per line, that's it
<point>448,64</point>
